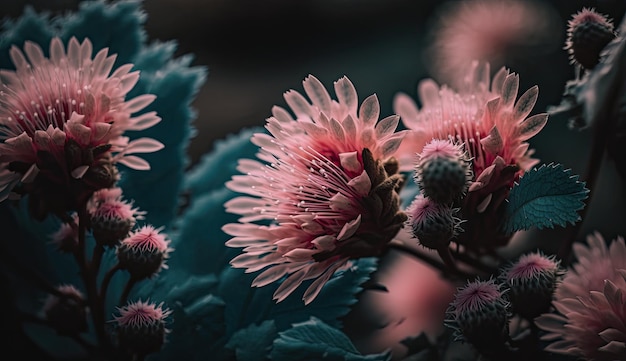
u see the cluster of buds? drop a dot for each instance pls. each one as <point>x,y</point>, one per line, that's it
<point>481,311</point>
<point>141,251</point>
<point>443,174</point>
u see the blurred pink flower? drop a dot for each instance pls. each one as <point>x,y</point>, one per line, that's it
<point>491,31</point>
<point>483,114</point>
<point>590,321</point>
<point>62,121</point>
<point>328,186</point>
<point>491,123</point>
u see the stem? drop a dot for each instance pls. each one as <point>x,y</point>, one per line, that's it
<point>90,277</point>
<point>594,164</point>
<point>106,280</point>
<point>427,259</point>
<point>129,286</point>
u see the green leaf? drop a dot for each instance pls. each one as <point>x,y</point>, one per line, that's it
<point>253,341</point>
<point>315,340</point>
<point>247,305</point>
<point>544,197</point>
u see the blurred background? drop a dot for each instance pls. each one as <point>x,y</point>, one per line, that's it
<point>256,50</point>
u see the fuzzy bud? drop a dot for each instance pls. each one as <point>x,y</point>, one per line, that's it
<point>143,252</point>
<point>531,281</point>
<point>587,34</point>
<point>140,327</point>
<point>433,224</point>
<point>443,172</point>
<point>111,220</point>
<point>67,314</point>
<point>479,314</point>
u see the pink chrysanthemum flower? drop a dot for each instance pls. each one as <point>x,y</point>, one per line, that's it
<point>590,321</point>
<point>141,327</point>
<point>329,188</point>
<point>491,122</point>
<point>62,121</point>
<point>144,252</point>
<point>494,31</point>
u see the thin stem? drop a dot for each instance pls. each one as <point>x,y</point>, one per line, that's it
<point>594,164</point>
<point>106,280</point>
<point>129,286</point>
<point>90,278</point>
<point>427,259</point>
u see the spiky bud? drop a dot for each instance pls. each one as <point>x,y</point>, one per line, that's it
<point>143,252</point>
<point>443,171</point>
<point>588,33</point>
<point>433,224</point>
<point>112,220</point>
<point>531,281</point>
<point>66,312</point>
<point>479,314</point>
<point>140,327</point>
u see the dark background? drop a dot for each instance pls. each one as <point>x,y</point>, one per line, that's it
<point>256,50</point>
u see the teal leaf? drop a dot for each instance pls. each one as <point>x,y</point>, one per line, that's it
<point>199,240</point>
<point>197,316</point>
<point>175,84</point>
<point>252,342</point>
<point>544,197</point>
<point>247,305</point>
<point>30,26</point>
<point>115,25</point>
<point>224,157</point>
<point>315,340</point>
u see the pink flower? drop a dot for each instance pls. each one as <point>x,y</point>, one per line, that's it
<point>590,321</point>
<point>494,31</point>
<point>327,184</point>
<point>492,123</point>
<point>63,120</point>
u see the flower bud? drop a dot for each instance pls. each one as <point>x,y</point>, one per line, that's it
<point>443,171</point>
<point>140,327</point>
<point>67,314</point>
<point>479,314</point>
<point>531,281</point>
<point>433,224</point>
<point>111,220</point>
<point>587,34</point>
<point>143,252</point>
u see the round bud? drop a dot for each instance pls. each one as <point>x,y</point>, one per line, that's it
<point>66,312</point>
<point>140,327</point>
<point>143,252</point>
